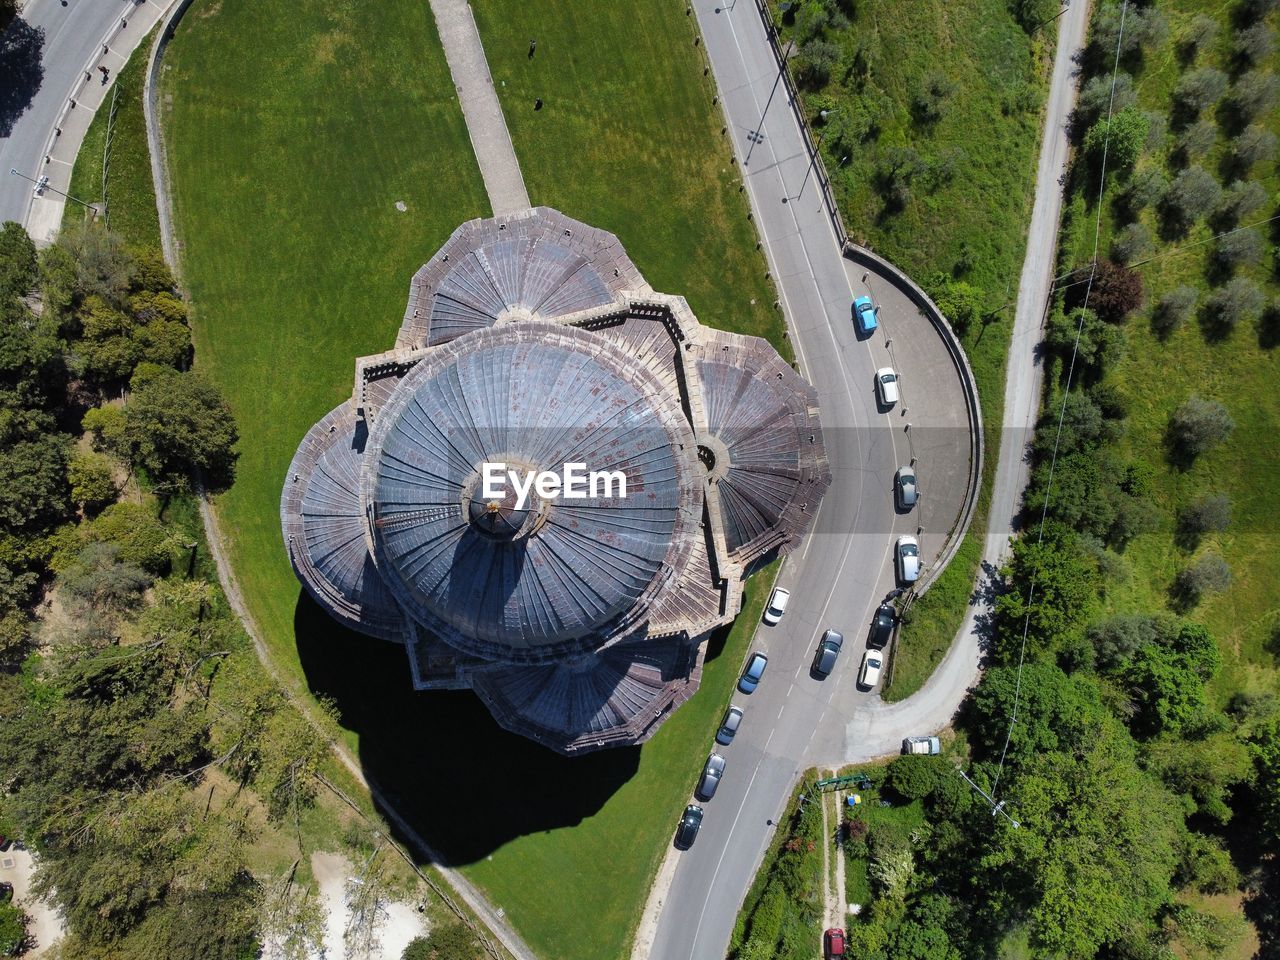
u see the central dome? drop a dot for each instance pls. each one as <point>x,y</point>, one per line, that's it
<point>532,576</point>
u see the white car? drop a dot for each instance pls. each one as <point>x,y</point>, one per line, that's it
<point>925,746</point>
<point>869,675</point>
<point>887,386</point>
<point>907,555</point>
<point>777,606</point>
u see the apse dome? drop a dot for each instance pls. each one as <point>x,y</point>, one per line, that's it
<point>536,577</point>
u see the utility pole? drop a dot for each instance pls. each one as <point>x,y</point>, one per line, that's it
<point>996,808</point>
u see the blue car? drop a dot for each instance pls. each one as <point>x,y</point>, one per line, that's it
<point>864,311</point>
<point>755,670</point>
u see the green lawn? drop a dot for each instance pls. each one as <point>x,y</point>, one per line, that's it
<point>1240,371</point>
<point>971,224</point>
<point>286,170</point>
<point>629,140</point>
<point>131,210</point>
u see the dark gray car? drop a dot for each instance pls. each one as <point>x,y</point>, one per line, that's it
<point>824,660</point>
<point>687,831</point>
<point>906,492</point>
<point>711,774</point>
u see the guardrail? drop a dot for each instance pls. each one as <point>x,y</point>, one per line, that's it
<point>797,108</point>
<point>973,410</point>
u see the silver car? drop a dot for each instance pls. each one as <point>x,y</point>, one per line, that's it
<point>904,486</point>
<point>729,726</point>
<point>711,774</point>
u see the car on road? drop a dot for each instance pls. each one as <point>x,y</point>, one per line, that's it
<point>882,626</point>
<point>755,670</point>
<point>927,746</point>
<point>887,386</point>
<point>907,557</point>
<point>690,822</point>
<point>906,493</point>
<point>869,675</point>
<point>776,606</point>
<point>864,314</point>
<point>824,660</point>
<point>729,725</point>
<point>712,771</point>
<point>833,944</point>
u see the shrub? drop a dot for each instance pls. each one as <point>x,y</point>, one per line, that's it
<point>897,170</point>
<point>1255,144</point>
<point>913,777</point>
<point>1236,301</point>
<point>1208,574</point>
<point>1199,35</point>
<point>1145,189</point>
<point>99,580</point>
<point>1199,89</point>
<point>1191,196</point>
<point>818,59</point>
<point>1117,291</point>
<point>139,537</point>
<point>929,100</point>
<point>1198,426</point>
<point>1242,199</point>
<point>92,483</point>
<point>1097,95</point>
<point>1173,308</point>
<point>1198,139</point>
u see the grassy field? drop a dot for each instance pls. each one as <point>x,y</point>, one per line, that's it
<point>968,208</point>
<point>1239,371</point>
<point>286,172</point>
<point>628,140</point>
<point>131,194</point>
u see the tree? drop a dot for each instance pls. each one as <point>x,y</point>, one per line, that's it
<point>34,493</point>
<point>1056,712</point>
<point>1237,301</point>
<point>293,922</point>
<point>1255,44</point>
<point>1192,195</point>
<point>103,266</point>
<point>1209,514</point>
<point>109,428</point>
<point>17,261</point>
<point>1065,591</point>
<point>101,582</point>
<point>447,941</point>
<point>178,421</point>
<point>1197,139</point>
<point>1117,640</point>
<point>912,941</point>
<point>1143,28</point>
<point>1098,96</point>
<point>1122,137</point>
<point>960,302</point>
<point>1031,13</point>
<point>1199,89</point>
<point>897,170</point>
<point>1166,691</point>
<point>1097,849</point>
<point>1265,746</point>
<point>92,483</point>
<point>1208,574</point>
<point>1132,242</point>
<point>1242,199</point>
<point>13,929</point>
<point>1199,35</point>
<point>1255,144</point>
<point>1240,248</point>
<point>914,777</point>
<point>1173,309</point>
<point>1146,188</point>
<point>1094,343</point>
<point>1117,291</point>
<point>1198,426</point>
<point>1254,95</point>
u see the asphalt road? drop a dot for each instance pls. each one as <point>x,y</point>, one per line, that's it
<point>73,34</point>
<point>793,721</point>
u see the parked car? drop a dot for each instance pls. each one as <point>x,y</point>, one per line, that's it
<point>864,314</point>
<point>887,386</point>
<point>869,675</point>
<point>712,771</point>
<point>755,670</point>
<point>904,487</point>
<point>824,660</point>
<point>690,822</point>
<point>833,944</point>
<point>922,745</point>
<point>882,626</point>
<point>776,606</point>
<point>907,554</point>
<point>729,726</point>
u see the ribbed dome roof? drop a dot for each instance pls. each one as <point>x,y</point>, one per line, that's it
<point>544,578</point>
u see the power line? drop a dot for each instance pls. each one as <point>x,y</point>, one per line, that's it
<point>1053,462</point>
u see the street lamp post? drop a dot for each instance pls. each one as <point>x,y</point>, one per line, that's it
<point>43,184</point>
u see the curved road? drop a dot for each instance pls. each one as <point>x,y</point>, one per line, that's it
<point>792,721</point>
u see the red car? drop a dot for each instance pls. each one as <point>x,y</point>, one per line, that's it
<point>833,943</point>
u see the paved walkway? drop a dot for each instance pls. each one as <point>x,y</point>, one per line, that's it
<point>486,124</point>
